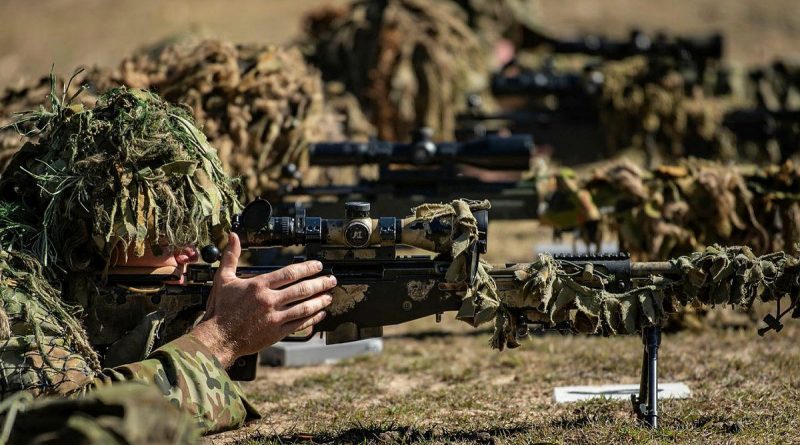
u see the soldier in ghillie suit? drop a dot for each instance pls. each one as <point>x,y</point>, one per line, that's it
<point>411,63</point>
<point>131,183</point>
<point>258,105</point>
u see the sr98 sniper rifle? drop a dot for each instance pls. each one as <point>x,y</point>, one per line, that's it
<point>377,287</point>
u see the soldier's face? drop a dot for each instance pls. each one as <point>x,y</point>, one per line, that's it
<point>177,258</point>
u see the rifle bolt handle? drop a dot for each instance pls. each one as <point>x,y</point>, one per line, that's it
<point>210,253</point>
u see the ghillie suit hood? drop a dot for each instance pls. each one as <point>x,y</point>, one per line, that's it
<point>516,20</point>
<point>259,105</point>
<point>133,171</point>
<point>411,63</point>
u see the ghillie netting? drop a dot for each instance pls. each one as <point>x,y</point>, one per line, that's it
<point>677,209</point>
<point>36,324</point>
<point>411,63</point>
<point>130,173</point>
<point>259,105</point>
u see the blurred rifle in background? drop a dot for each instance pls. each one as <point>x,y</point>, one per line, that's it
<point>585,120</point>
<point>422,171</point>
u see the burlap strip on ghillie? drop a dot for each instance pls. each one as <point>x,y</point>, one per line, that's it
<point>132,172</point>
<point>734,276</point>
<point>411,63</point>
<point>677,209</point>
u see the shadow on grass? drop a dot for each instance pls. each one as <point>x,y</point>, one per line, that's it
<point>394,434</point>
<point>424,335</point>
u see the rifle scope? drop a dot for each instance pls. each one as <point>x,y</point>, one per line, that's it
<point>710,47</point>
<point>257,228</point>
<point>529,82</point>
<point>489,152</point>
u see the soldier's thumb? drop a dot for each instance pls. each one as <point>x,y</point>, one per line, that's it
<point>230,258</point>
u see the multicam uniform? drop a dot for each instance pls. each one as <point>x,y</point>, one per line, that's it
<point>45,354</point>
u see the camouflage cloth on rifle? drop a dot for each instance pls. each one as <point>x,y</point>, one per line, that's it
<point>556,292</point>
<point>259,105</point>
<point>410,63</point>
<point>131,175</point>
<point>647,107</point>
<point>725,276</point>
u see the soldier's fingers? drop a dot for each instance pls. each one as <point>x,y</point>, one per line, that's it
<point>303,323</point>
<point>292,273</point>
<point>230,258</point>
<point>306,308</point>
<point>305,289</point>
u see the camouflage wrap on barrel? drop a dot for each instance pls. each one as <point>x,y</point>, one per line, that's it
<point>410,63</point>
<point>717,276</point>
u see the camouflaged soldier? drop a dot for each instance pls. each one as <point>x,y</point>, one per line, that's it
<point>130,186</point>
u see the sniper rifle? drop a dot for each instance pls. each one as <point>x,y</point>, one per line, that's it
<point>378,287</point>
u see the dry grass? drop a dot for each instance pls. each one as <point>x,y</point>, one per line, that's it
<point>442,384</point>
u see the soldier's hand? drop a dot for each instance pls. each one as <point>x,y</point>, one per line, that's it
<point>245,315</point>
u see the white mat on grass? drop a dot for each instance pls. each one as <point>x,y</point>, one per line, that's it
<point>567,394</point>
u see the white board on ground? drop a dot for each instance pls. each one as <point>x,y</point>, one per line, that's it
<point>567,394</point>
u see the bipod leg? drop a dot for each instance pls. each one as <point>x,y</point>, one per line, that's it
<point>645,404</point>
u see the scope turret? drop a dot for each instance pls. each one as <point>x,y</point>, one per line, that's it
<point>489,152</point>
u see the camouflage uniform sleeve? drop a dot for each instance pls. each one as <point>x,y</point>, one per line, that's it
<point>193,379</point>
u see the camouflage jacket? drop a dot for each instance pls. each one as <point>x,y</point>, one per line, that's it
<point>45,352</point>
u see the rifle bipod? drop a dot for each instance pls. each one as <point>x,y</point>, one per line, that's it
<point>645,405</point>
